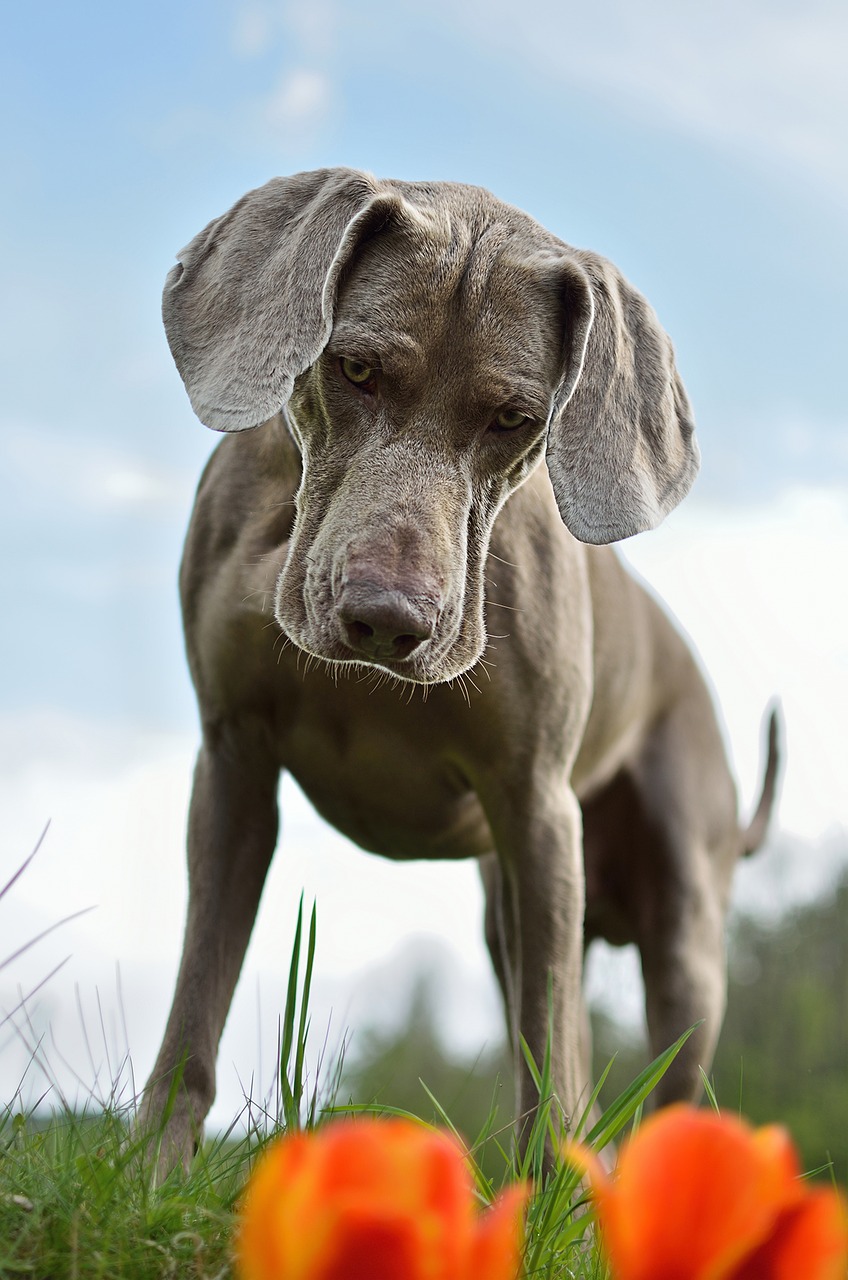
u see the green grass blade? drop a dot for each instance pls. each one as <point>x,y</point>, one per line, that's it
<point>291,1108</point>
<point>303,1029</point>
<point>627,1103</point>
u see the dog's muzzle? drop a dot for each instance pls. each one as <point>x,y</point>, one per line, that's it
<point>384,624</point>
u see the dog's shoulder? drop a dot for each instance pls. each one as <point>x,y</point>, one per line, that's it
<point>250,479</point>
<point>244,506</point>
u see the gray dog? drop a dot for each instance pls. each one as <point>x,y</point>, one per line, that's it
<point>409,353</point>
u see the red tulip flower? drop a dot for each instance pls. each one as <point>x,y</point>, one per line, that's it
<point>700,1196</point>
<point>370,1199</point>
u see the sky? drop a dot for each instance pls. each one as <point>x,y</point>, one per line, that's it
<point>702,148</point>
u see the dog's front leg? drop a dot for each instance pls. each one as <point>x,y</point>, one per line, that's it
<point>536,921</point>
<point>231,838</point>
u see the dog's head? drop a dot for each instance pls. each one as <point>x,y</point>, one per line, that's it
<point>431,345</point>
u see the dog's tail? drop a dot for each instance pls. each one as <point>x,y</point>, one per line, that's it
<point>755,832</point>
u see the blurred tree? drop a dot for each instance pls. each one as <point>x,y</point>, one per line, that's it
<point>784,1047</point>
<point>387,1067</point>
<point>783,1053</point>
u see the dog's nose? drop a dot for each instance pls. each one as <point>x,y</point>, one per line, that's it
<point>384,624</point>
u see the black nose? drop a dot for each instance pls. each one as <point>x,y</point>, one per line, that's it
<point>384,624</point>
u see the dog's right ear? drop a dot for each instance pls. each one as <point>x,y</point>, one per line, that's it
<point>621,446</point>
<point>250,303</point>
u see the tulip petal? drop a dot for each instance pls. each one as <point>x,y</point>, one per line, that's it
<point>694,1193</point>
<point>777,1149</point>
<point>281,1188</point>
<point>365,1248</point>
<point>810,1240</point>
<point>376,1198</point>
<point>499,1237</point>
<point>399,1168</point>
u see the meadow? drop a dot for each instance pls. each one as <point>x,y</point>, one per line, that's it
<point>77,1199</point>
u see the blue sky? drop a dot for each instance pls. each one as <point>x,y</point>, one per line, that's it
<point>685,147</point>
<point>702,148</point>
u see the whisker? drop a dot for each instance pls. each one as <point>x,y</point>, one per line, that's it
<point>496,604</point>
<point>283,641</point>
<point>460,681</point>
<point>257,591</point>
<point>277,506</point>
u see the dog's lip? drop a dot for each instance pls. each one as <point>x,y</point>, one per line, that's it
<point>419,668</point>
<point>413,668</point>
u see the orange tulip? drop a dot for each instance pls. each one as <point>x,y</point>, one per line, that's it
<point>371,1199</point>
<point>698,1196</point>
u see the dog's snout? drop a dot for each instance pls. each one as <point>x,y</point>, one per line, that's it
<point>381,623</point>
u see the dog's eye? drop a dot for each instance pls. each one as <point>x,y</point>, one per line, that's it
<point>357,372</point>
<point>509,420</point>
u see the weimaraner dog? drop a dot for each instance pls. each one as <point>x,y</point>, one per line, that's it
<point>386,593</point>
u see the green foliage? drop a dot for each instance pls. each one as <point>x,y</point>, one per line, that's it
<point>783,1052</point>
<point>387,1070</point>
<point>784,1047</point>
<point>76,1202</point>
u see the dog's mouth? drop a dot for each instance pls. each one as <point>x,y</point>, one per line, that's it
<point>414,641</point>
<point>405,656</point>
<point>409,671</point>
<point>369,644</point>
<point>384,603</point>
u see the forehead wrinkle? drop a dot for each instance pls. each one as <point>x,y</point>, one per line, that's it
<point>451,297</point>
<point>402,283</point>
<point>481,262</point>
<point>496,385</point>
<point>438,268</point>
<point>348,337</point>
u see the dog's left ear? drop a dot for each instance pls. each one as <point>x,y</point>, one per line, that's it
<point>621,448</point>
<point>250,303</point>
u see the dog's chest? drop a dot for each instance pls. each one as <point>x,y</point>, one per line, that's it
<point>388,781</point>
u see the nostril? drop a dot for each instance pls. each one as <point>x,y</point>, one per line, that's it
<point>359,630</point>
<point>376,643</point>
<point>383,624</point>
<point>404,645</point>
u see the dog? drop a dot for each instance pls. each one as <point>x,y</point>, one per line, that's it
<point>396,585</point>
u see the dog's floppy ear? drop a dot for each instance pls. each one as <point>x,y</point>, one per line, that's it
<point>250,303</point>
<point>621,448</point>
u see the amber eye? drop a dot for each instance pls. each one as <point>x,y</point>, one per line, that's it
<point>509,420</point>
<point>356,371</point>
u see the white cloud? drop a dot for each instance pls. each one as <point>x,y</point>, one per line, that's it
<point>46,464</point>
<point>760,590</point>
<point>254,30</point>
<point>313,24</point>
<point>764,79</point>
<point>303,34</point>
<point>300,101</point>
<point>310,25</point>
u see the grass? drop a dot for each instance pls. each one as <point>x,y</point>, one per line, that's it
<point>76,1201</point>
